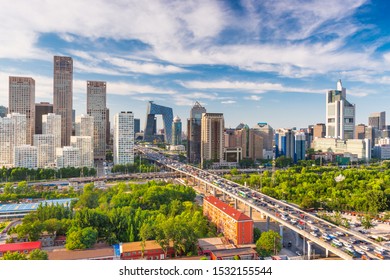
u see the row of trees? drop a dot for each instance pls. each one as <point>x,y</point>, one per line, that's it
<point>21,173</point>
<point>362,189</point>
<point>140,165</point>
<point>36,254</point>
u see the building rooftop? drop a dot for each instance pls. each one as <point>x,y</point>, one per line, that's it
<point>213,243</point>
<point>234,213</point>
<point>136,246</point>
<point>233,252</point>
<point>94,253</point>
<point>20,246</point>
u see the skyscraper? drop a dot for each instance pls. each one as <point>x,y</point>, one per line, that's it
<point>150,127</point>
<point>123,138</point>
<point>85,146</point>
<point>51,124</point>
<point>377,120</point>
<point>212,137</point>
<point>194,133</point>
<point>6,141</point>
<point>41,109</point>
<point>63,95</point>
<point>267,133</point>
<point>176,131</point>
<point>300,147</point>
<point>22,101</point>
<point>340,114</point>
<point>96,107</point>
<point>84,125</point>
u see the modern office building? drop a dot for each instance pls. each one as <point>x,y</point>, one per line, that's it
<point>67,156</point>
<point>96,107</point>
<point>51,124</point>
<point>285,143</point>
<point>377,120</point>
<point>137,126</point>
<point>25,156</point>
<point>85,146</point>
<point>194,124</point>
<point>235,225</point>
<point>108,128</point>
<point>176,131</point>
<point>63,95</point>
<point>46,149</point>
<point>3,111</point>
<point>42,108</point>
<point>300,146</point>
<point>340,114</point>
<point>360,148</point>
<point>150,128</point>
<point>267,133</point>
<point>212,138</point>
<point>22,101</point>
<point>360,131</point>
<point>123,147</point>
<point>319,130</point>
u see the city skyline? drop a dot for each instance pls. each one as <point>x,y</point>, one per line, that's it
<point>263,58</point>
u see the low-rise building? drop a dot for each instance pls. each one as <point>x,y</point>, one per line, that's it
<point>151,251</point>
<point>236,226</point>
<point>104,253</point>
<point>245,253</point>
<point>23,248</point>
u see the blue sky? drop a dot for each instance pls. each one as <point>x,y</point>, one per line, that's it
<point>254,61</point>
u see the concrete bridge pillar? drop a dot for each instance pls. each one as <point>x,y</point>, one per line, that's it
<point>235,203</point>
<point>308,250</point>
<point>326,253</point>
<point>267,224</point>
<point>214,192</point>
<point>281,233</point>
<point>250,212</point>
<point>224,196</point>
<point>296,239</point>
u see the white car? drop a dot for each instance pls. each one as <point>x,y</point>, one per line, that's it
<point>365,248</point>
<point>314,233</point>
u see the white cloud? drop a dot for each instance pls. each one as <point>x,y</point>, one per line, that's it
<point>229,102</point>
<point>253,97</point>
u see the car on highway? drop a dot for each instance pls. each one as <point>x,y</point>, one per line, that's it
<point>363,247</point>
<point>314,233</point>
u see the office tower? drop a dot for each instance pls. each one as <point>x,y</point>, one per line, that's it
<point>123,138</point>
<point>25,156</point>
<point>63,95</point>
<point>51,124</point>
<point>194,133</point>
<point>22,101</point>
<point>137,126</point>
<point>6,141</point>
<point>371,133</point>
<point>19,122</point>
<point>67,156</point>
<point>319,130</point>
<point>46,149</point>
<point>176,131</point>
<point>377,120</point>
<point>96,107</point>
<point>340,114</point>
<point>285,143</point>
<point>3,111</point>
<point>255,145</point>
<point>42,108</point>
<point>85,146</point>
<point>212,137</point>
<point>267,133</point>
<point>150,128</point>
<point>360,131</point>
<point>300,146</point>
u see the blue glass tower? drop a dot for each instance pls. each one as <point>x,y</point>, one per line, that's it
<point>150,128</point>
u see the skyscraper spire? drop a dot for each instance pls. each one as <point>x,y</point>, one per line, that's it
<point>339,85</point>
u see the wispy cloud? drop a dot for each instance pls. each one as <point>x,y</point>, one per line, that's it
<point>229,102</point>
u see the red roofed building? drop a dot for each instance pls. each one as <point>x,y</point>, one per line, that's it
<point>235,225</point>
<point>24,247</point>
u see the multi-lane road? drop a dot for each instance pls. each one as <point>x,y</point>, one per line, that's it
<point>346,243</point>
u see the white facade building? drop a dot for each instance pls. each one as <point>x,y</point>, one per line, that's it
<point>340,114</point>
<point>25,156</point>
<point>51,124</point>
<point>359,147</point>
<point>124,138</point>
<point>85,146</point>
<point>45,144</point>
<point>67,156</point>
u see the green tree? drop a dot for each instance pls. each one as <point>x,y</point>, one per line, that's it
<point>256,233</point>
<point>268,243</point>
<point>367,221</point>
<point>14,256</point>
<point>38,254</point>
<point>81,238</point>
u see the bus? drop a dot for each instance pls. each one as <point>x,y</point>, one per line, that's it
<point>242,193</point>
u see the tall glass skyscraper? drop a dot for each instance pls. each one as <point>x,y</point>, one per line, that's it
<point>63,95</point>
<point>176,131</point>
<point>194,133</point>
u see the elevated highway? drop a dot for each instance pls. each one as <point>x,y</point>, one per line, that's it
<point>343,242</point>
